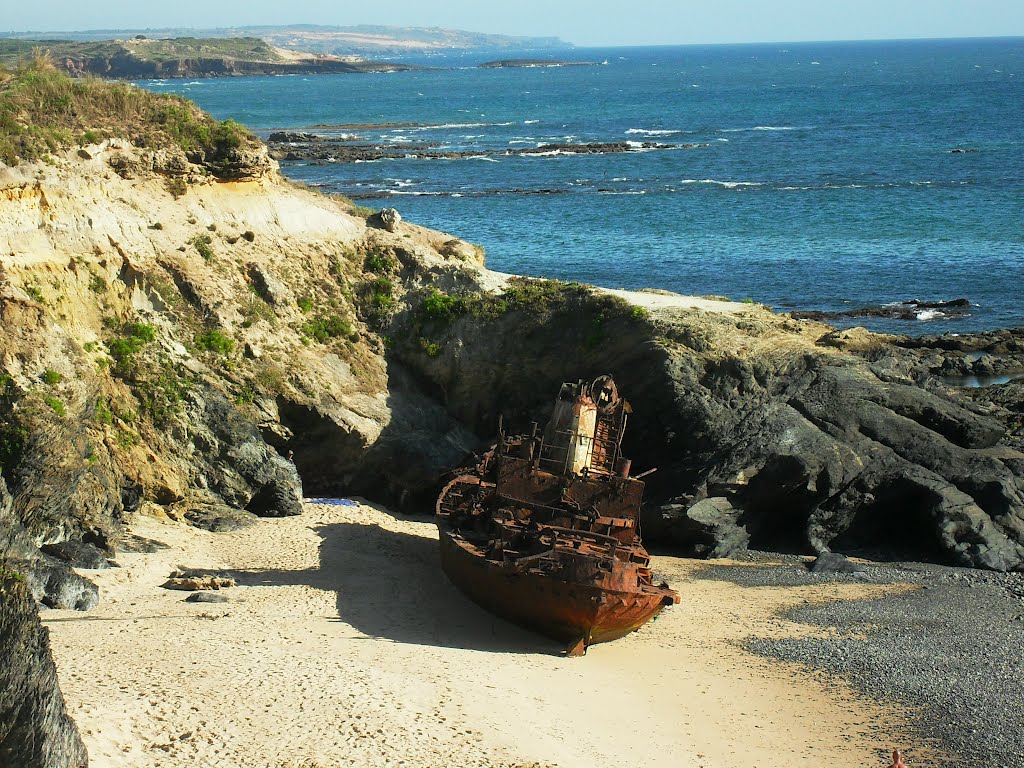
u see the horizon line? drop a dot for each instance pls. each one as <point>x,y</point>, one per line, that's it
<point>1020,36</point>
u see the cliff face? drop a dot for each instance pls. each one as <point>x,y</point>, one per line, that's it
<point>168,338</point>
<point>127,65</point>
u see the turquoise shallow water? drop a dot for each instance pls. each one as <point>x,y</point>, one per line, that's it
<point>823,179</point>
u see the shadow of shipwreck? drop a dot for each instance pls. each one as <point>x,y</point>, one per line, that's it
<point>389,585</point>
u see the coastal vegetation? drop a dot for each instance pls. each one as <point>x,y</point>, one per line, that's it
<point>42,110</point>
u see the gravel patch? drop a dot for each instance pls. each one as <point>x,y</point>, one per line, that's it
<point>950,652</point>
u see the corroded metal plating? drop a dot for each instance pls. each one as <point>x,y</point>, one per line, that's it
<point>544,530</point>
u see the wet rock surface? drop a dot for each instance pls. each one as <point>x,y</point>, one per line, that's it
<point>907,310</point>
<point>327,149</point>
<point>35,729</point>
<point>946,652</point>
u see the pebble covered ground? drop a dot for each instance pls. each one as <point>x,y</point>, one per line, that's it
<point>949,651</point>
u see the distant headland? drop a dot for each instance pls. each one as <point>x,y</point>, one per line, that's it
<point>362,40</point>
<point>143,57</point>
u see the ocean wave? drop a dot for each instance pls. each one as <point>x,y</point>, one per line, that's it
<point>403,193</point>
<point>726,184</point>
<point>767,128</point>
<point>654,131</point>
<point>530,122</point>
<point>378,194</point>
<point>481,157</point>
<point>552,153</point>
<point>454,126</point>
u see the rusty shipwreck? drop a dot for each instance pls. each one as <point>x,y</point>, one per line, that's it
<point>544,530</point>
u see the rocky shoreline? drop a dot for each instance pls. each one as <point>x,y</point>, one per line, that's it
<point>528,63</point>
<point>939,652</point>
<point>324,149</point>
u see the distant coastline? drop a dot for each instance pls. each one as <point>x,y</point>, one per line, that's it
<point>142,57</point>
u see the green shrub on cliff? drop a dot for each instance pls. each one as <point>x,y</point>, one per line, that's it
<point>323,328</point>
<point>13,433</point>
<point>521,293</point>
<point>55,405</point>
<point>442,307</point>
<point>43,110</point>
<point>215,341</point>
<point>203,246</point>
<point>380,262</point>
<point>124,348</point>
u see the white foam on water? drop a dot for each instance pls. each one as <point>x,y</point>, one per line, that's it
<point>726,184</point>
<point>653,131</point>
<point>768,128</point>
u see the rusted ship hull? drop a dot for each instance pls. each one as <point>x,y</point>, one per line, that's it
<point>544,531</point>
<point>565,611</point>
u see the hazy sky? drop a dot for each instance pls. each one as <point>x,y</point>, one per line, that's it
<point>577,21</point>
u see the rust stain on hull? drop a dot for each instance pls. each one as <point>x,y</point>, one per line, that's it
<point>543,531</point>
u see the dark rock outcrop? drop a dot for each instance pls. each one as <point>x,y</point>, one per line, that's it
<point>219,518</point>
<point>77,554</point>
<point>317,148</point>
<point>35,729</point>
<point>709,528</point>
<point>913,309</point>
<point>802,447</point>
<point>833,562</point>
<point>56,585</point>
<point>275,499</point>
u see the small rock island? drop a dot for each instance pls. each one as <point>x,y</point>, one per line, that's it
<point>527,63</point>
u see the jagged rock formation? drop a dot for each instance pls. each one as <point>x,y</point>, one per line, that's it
<point>35,730</point>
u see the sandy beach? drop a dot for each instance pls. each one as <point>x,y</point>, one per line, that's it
<point>344,645</point>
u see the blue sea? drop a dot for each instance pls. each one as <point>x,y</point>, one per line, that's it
<point>823,176</point>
